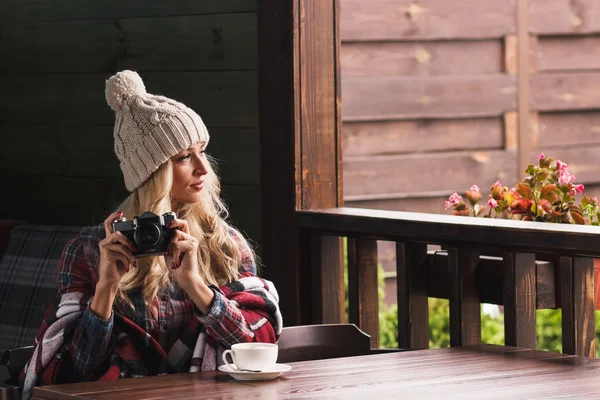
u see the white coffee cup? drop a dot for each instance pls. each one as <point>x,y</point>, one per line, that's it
<point>252,356</point>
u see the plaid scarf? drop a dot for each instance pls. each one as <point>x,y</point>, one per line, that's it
<point>135,353</point>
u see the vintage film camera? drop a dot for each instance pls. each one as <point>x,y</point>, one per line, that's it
<point>148,232</point>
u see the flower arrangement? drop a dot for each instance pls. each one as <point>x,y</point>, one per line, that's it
<point>546,194</point>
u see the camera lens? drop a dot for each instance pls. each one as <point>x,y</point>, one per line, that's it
<point>147,236</point>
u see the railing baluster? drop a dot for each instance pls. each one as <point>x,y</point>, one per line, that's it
<point>363,299</point>
<point>519,299</point>
<point>327,271</point>
<point>577,301</point>
<point>413,318</point>
<point>465,309</point>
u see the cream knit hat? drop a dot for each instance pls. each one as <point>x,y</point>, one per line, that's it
<point>149,129</point>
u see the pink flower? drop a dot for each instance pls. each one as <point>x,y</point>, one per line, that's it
<point>565,177</point>
<point>541,156</point>
<point>595,199</point>
<point>561,166</point>
<point>492,203</point>
<point>454,198</point>
<point>579,188</point>
<point>475,188</point>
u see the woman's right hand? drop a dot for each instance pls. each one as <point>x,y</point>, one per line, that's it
<point>116,257</point>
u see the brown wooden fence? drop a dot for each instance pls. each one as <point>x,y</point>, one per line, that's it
<point>436,100</point>
<point>434,95</point>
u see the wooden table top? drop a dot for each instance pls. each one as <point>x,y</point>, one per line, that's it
<point>491,372</point>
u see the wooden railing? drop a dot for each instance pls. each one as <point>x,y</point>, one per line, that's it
<point>521,265</point>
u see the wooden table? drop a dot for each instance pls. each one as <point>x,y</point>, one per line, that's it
<point>491,372</point>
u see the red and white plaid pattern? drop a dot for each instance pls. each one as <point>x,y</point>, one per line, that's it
<point>136,344</point>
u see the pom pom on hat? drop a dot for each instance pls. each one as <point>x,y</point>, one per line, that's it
<point>123,86</point>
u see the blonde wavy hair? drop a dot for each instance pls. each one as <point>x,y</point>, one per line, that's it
<point>219,253</point>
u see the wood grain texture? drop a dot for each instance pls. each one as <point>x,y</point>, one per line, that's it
<point>87,151</point>
<point>387,176</point>
<point>323,341</point>
<point>279,142</point>
<point>519,300</point>
<point>421,136</point>
<point>363,300</point>
<point>569,129</point>
<point>427,19</point>
<point>317,123</point>
<point>465,307</point>
<point>565,91</point>
<point>412,272</point>
<point>400,97</point>
<point>564,239</point>
<point>327,283</point>
<point>318,107</point>
<point>421,58</point>
<point>196,42</point>
<point>466,373</point>
<point>569,53</point>
<point>583,313</point>
<point>564,17</point>
<point>228,99</point>
<point>51,10</point>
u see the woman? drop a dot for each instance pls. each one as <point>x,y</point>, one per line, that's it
<point>117,315</point>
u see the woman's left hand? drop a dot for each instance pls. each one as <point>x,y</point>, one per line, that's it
<point>184,253</point>
<point>184,265</point>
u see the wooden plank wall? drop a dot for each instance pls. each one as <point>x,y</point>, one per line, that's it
<point>428,91</point>
<point>56,156</point>
<point>431,90</point>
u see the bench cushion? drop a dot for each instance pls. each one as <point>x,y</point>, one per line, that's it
<point>28,271</point>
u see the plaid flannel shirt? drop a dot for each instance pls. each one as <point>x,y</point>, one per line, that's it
<point>92,337</point>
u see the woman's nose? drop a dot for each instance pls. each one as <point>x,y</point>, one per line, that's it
<point>201,167</point>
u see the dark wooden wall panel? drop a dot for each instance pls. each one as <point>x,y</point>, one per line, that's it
<point>185,43</point>
<point>221,98</point>
<point>52,10</point>
<point>56,56</point>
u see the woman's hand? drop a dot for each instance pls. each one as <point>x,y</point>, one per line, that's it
<point>116,257</point>
<point>184,267</point>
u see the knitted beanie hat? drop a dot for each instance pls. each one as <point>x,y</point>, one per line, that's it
<point>149,129</point>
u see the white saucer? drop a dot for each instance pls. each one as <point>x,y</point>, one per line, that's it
<point>272,373</point>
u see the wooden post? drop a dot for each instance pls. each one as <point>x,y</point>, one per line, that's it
<point>413,310</point>
<point>299,118</point>
<point>465,309</point>
<point>327,281</point>
<point>363,299</point>
<point>578,319</point>
<point>519,300</point>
